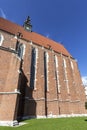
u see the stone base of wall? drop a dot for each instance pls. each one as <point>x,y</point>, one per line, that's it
<point>15,122</point>
<point>55,116</point>
<point>9,123</point>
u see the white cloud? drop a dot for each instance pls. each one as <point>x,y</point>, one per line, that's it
<point>2,13</point>
<point>84,80</point>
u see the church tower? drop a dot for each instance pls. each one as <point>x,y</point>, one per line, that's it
<point>27,24</point>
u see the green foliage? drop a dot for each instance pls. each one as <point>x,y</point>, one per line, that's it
<point>85,105</point>
<point>75,123</point>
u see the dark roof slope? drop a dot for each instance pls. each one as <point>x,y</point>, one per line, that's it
<point>32,36</point>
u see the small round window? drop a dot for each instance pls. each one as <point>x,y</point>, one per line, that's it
<point>1,39</point>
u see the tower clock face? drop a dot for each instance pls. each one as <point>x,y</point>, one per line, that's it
<point>27,28</point>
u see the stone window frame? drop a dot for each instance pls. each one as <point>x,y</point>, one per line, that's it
<point>1,39</point>
<point>46,70</point>
<point>72,66</point>
<point>20,48</point>
<point>34,56</point>
<point>57,72</point>
<point>65,73</point>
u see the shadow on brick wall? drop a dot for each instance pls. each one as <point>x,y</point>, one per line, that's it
<point>26,105</point>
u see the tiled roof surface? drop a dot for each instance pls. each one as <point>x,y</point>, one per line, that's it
<point>32,36</point>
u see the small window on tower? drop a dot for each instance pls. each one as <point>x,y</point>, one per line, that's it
<point>1,39</point>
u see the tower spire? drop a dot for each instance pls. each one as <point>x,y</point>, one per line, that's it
<point>27,24</point>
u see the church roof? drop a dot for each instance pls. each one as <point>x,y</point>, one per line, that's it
<point>14,29</point>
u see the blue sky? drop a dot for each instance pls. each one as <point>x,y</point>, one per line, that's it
<point>64,21</point>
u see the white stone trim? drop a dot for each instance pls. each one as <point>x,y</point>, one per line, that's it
<point>39,99</point>
<point>28,117</point>
<point>9,123</point>
<point>36,51</point>
<point>41,117</point>
<point>42,47</point>
<point>66,77</point>
<point>75,101</point>
<point>57,73</point>
<point>12,48</point>
<point>55,116</point>
<point>15,37</point>
<point>56,61</point>
<point>47,62</point>
<point>12,92</point>
<point>72,66</point>
<point>64,63</point>
<point>2,39</point>
<point>31,117</point>
<point>31,42</point>
<point>24,47</point>
<point>19,71</point>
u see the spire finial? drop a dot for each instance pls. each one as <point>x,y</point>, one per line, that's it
<point>27,24</point>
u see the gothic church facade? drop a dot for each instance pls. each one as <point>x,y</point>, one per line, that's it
<point>38,76</point>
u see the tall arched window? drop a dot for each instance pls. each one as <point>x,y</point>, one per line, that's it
<point>1,39</point>
<point>20,51</point>
<point>20,48</point>
<point>34,56</point>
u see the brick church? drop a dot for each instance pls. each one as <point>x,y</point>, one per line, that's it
<point>39,78</point>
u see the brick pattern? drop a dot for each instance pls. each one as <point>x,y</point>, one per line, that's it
<point>64,103</point>
<point>38,102</point>
<point>9,79</point>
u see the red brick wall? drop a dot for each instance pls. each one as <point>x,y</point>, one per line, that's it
<point>64,103</point>
<point>9,78</point>
<point>9,82</point>
<point>37,102</point>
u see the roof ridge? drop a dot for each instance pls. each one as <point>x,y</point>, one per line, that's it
<point>39,39</point>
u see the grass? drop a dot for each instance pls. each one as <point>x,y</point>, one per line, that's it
<point>75,123</point>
